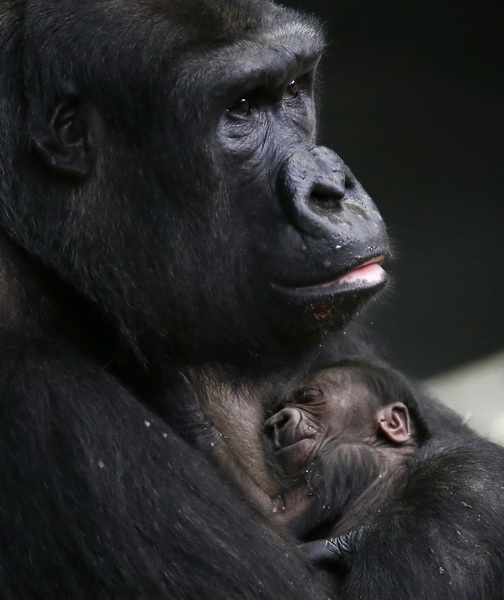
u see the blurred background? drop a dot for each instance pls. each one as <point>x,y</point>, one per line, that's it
<point>413,99</point>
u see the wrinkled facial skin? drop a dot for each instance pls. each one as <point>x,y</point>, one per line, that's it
<point>317,223</point>
<point>198,212</point>
<point>330,406</point>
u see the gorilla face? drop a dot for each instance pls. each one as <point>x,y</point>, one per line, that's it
<point>183,189</point>
<point>316,239</point>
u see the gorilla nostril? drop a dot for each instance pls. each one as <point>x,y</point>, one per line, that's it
<point>269,427</point>
<point>277,428</point>
<point>283,419</point>
<point>350,181</point>
<point>327,195</point>
<point>325,200</point>
<point>277,421</point>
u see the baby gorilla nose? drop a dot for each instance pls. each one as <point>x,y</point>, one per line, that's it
<point>281,427</point>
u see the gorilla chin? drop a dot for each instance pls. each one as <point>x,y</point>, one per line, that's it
<point>331,305</point>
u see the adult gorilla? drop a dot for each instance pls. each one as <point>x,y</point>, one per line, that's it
<point>164,211</point>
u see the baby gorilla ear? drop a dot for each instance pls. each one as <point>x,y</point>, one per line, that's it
<point>394,421</point>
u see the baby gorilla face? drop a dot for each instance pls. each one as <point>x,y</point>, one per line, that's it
<point>333,404</point>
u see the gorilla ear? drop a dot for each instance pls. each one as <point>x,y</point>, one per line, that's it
<point>66,143</point>
<point>394,422</point>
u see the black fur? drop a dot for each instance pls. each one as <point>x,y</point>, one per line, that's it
<point>149,225</point>
<point>429,527</point>
<point>440,535</point>
<point>146,229</point>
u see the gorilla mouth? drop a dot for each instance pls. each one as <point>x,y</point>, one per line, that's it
<point>370,272</point>
<point>289,436</point>
<point>299,452</point>
<point>294,442</point>
<point>365,275</point>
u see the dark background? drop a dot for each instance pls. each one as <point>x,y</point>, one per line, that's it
<point>412,98</point>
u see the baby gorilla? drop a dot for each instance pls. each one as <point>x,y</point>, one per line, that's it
<point>380,503</point>
<point>342,441</point>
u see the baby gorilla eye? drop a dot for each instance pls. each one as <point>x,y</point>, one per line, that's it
<point>307,394</point>
<point>292,90</point>
<point>241,108</point>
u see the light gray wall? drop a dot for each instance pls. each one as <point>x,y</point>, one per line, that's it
<point>476,392</point>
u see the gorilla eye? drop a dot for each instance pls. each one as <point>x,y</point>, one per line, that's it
<point>307,394</point>
<point>292,90</point>
<point>241,108</point>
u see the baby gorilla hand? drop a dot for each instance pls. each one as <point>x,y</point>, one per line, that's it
<point>329,552</point>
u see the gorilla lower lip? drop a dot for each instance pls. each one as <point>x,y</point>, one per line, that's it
<point>294,443</point>
<point>366,275</point>
<point>369,272</point>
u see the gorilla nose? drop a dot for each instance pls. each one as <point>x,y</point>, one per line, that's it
<point>280,427</point>
<point>313,184</point>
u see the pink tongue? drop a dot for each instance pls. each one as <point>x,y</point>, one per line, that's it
<point>369,273</point>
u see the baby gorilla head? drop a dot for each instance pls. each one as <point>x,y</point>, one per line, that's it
<point>353,400</point>
<point>342,440</point>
